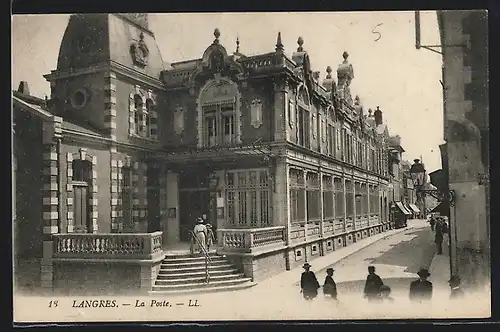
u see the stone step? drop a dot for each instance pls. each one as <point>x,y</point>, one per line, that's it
<point>208,288</point>
<point>198,279</point>
<point>192,259</point>
<point>201,263</point>
<point>169,276</point>
<point>189,255</point>
<point>201,286</point>
<point>180,269</point>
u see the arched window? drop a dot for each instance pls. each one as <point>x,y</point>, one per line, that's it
<point>142,117</point>
<point>304,119</point>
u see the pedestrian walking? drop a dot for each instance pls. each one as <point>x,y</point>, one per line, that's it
<point>309,285</point>
<point>421,289</point>
<point>330,287</point>
<point>372,285</point>
<point>438,237</point>
<point>385,294</point>
<point>433,223</point>
<point>456,291</point>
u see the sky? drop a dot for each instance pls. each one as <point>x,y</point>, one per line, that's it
<point>388,71</point>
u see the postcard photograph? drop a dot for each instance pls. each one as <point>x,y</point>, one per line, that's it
<point>250,166</point>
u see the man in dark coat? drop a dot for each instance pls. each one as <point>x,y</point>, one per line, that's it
<point>421,289</point>
<point>433,223</point>
<point>330,287</point>
<point>308,283</point>
<point>456,292</point>
<point>372,285</point>
<point>438,237</point>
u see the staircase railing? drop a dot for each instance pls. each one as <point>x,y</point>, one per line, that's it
<point>205,252</point>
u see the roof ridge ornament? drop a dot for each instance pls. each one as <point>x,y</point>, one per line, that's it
<point>279,44</point>
<point>217,35</point>
<point>237,44</point>
<point>300,42</point>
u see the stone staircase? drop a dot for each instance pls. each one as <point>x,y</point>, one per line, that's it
<point>184,273</point>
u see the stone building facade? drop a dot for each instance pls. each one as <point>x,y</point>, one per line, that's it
<point>464,41</point>
<point>285,167</point>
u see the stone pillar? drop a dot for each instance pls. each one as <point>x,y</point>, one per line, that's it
<point>354,214</point>
<point>288,205</point>
<point>305,206</point>
<point>345,202</point>
<point>51,144</point>
<point>163,203</point>
<point>279,193</point>
<point>115,166</point>
<point>135,196</point>
<point>280,109</point>
<point>173,225</point>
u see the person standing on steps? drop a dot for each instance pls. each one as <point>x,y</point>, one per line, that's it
<point>309,285</point>
<point>421,289</point>
<point>210,236</point>
<point>372,285</point>
<point>330,287</point>
<point>200,233</point>
<point>456,292</point>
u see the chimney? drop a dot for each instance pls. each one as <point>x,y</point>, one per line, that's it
<point>23,88</point>
<point>378,116</point>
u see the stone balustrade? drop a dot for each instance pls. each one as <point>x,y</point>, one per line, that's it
<point>130,246</point>
<point>248,239</point>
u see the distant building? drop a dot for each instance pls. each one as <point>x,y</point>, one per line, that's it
<point>129,151</point>
<point>464,41</point>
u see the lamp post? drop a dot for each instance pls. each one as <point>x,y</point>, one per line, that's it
<point>418,174</point>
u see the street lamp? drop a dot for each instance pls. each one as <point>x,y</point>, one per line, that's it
<point>418,175</point>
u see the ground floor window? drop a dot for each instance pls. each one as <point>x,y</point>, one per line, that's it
<point>338,186</point>
<point>349,198</point>
<point>297,196</point>
<point>248,198</point>
<point>328,210</point>
<point>313,197</point>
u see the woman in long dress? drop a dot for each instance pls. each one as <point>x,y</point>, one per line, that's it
<point>200,232</point>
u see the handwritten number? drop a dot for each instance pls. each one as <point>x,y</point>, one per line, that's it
<point>53,304</point>
<point>376,32</point>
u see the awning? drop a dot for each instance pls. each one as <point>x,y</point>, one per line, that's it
<point>414,208</point>
<point>402,208</point>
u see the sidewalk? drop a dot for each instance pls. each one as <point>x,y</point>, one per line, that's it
<point>287,278</point>
<point>440,267</point>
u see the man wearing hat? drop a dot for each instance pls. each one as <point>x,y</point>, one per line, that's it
<point>330,287</point>
<point>372,285</point>
<point>456,292</point>
<point>421,289</point>
<point>308,283</point>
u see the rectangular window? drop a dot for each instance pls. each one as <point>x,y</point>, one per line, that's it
<point>358,199</point>
<point>248,197</point>
<point>313,197</point>
<point>126,199</point>
<point>328,197</point>
<point>349,198</point>
<point>339,197</point>
<point>297,196</point>
<point>219,124</point>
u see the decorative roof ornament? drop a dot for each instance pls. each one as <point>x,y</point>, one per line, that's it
<point>279,44</point>
<point>345,72</point>
<point>328,72</point>
<point>237,44</point>
<point>300,41</point>
<point>217,35</point>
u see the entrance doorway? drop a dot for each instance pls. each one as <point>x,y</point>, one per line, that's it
<point>194,203</point>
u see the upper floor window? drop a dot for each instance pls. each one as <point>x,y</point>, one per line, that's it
<point>142,116</point>
<point>219,119</point>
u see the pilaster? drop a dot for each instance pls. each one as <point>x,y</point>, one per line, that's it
<point>280,104</point>
<point>110,104</point>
